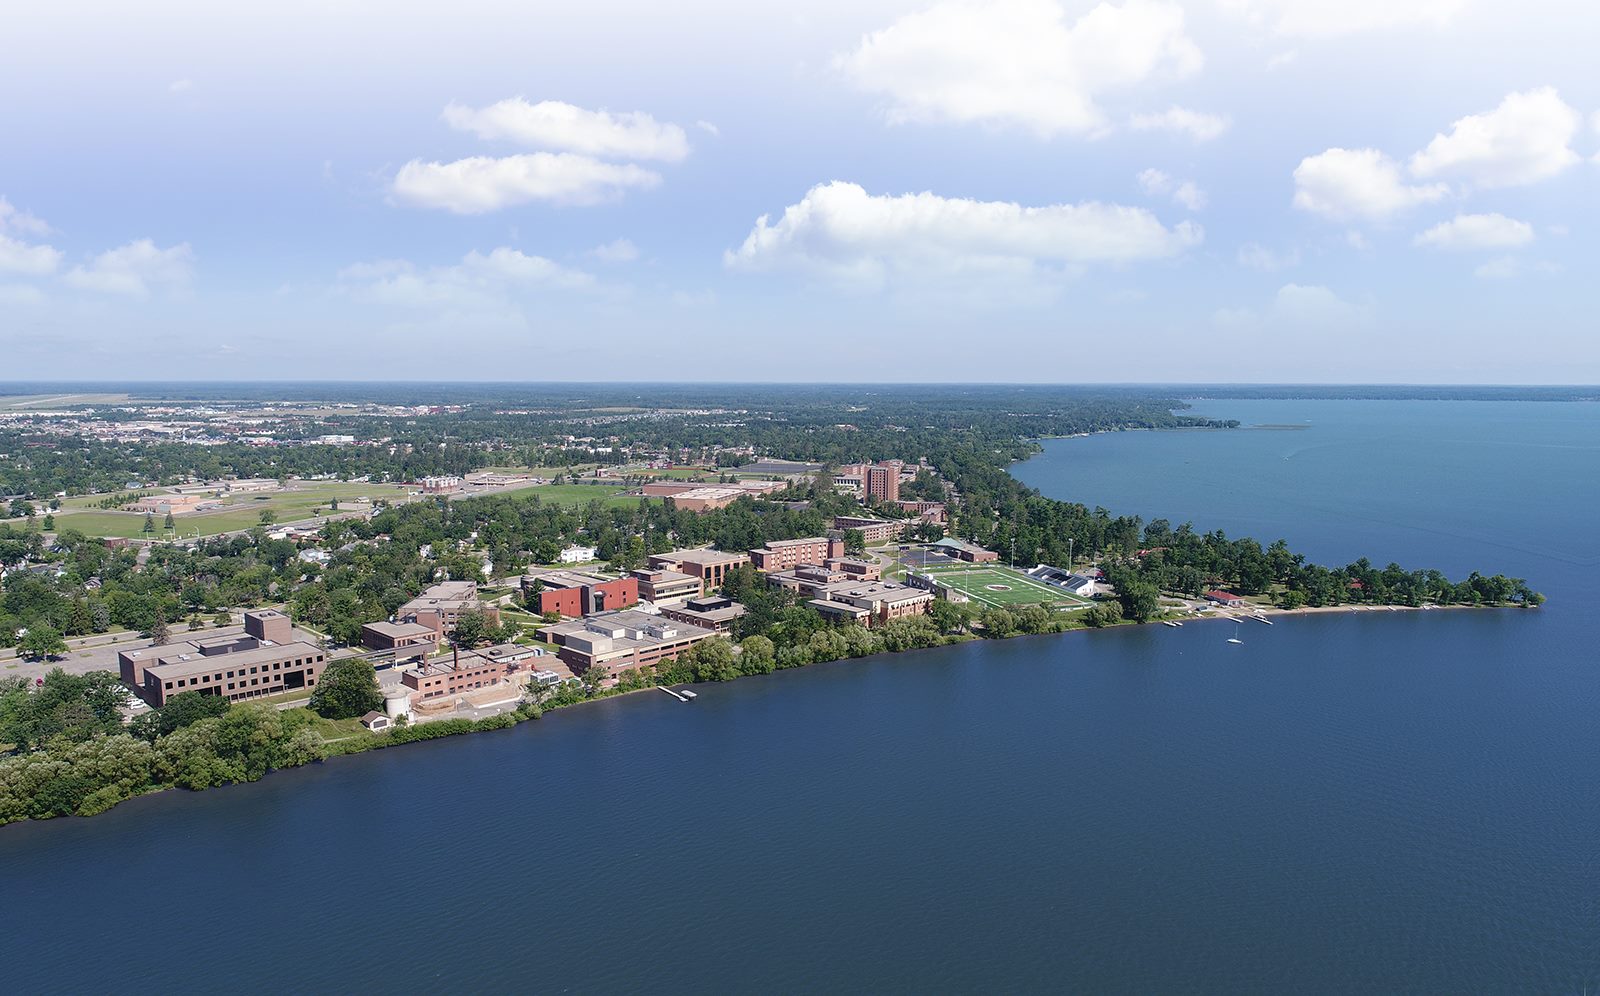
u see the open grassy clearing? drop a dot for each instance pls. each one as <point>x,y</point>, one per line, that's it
<point>1002,586</point>
<point>298,502</point>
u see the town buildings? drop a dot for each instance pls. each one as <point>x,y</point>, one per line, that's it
<point>626,639</point>
<point>267,659</point>
<point>575,593</point>
<point>783,555</point>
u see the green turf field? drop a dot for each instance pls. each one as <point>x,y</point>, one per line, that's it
<point>581,494</point>
<point>1002,586</point>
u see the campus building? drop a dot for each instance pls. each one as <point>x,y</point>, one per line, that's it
<point>870,603</point>
<point>879,481</point>
<point>810,579</point>
<point>872,530</point>
<point>574,594</point>
<point>962,550</point>
<point>710,566</point>
<point>620,640</point>
<point>664,587</point>
<point>406,640</point>
<point>783,555</point>
<point>716,612</point>
<point>462,672</point>
<point>265,660</point>
<point>441,605</point>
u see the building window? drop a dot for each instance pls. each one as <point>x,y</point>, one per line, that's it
<point>169,686</point>
<point>230,686</point>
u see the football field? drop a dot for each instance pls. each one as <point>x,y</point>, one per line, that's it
<point>1002,586</point>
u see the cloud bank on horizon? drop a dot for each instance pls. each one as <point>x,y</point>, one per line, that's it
<point>1268,190</point>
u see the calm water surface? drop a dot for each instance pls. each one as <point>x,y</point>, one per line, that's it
<point>1378,802</point>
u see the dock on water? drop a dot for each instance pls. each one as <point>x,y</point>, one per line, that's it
<point>683,696</point>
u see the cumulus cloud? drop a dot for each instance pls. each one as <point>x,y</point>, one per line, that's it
<point>1477,231</point>
<point>1357,184</point>
<point>134,269</point>
<point>552,124</point>
<point>839,230</point>
<point>618,251</point>
<point>479,282</point>
<point>1525,139</point>
<point>484,183</point>
<point>1198,125</point>
<point>21,222</point>
<point>1019,62</point>
<point>1158,184</point>
<point>1298,308</point>
<point>1333,18</point>
<point>17,256</point>
<point>1259,257</point>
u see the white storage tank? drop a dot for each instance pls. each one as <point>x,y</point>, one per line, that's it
<point>397,702</point>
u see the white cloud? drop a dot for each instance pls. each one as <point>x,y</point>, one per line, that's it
<point>708,128</point>
<point>1510,267</point>
<point>1523,140</point>
<point>841,231</point>
<point>178,86</point>
<point>1158,184</point>
<point>1477,231</point>
<point>1259,257</point>
<point>1019,62</point>
<point>1298,308</point>
<point>552,124</point>
<point>1198,125</point>
<point>1333,18</point>
<point>480,282</point>
<point>1357,183</point>
<point>21,295</point>
<point>618,251</point>
<point>482,183</point>
<point>17,256</point>
<point>13,219</point>
<point>134,268</point>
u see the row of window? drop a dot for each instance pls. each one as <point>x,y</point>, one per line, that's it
<point>263,669</point>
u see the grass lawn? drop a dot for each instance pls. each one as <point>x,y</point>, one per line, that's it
<point>581,494</point>
<point>297,502</point>
<point>1002,586</point>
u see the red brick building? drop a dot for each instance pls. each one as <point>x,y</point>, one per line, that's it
<point>574,594</point>
<point>783,555</point>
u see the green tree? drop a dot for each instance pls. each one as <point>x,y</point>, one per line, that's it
<point>855,542</point>
<point>149,524</point>
<point>472,628</point>
<point>159,633</point>
<point>181,710</point>
<point>171,525</point>
<point>42,641</point>
<point>757,655</point>
<point>267,517</point>
<point>49,523</point>
<point>711,660</point>
<point>348,688</point>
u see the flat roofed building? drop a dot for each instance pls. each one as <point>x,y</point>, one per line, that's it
<point>407,640</point>
<point>664,587</point>
<point>871,603</point>
<point>575,593</point>
<point>717,613</point>
<point>462,672</point>
<point>236,668</point>
<point>783,555</point>
<point>872,530</point>
<point>619,640</point>
<point>441,605</point>
<point>710,566</point>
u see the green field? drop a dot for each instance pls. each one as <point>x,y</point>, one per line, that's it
<point>1002,586</point>
<point>295,504</point>
<point>582,494</point>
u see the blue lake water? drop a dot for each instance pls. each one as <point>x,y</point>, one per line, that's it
<point>1374,802</point>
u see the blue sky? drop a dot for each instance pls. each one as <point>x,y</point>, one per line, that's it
<point>1019,190</point>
